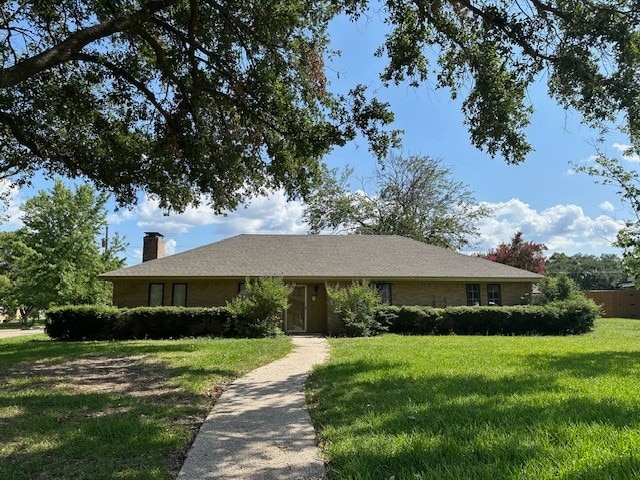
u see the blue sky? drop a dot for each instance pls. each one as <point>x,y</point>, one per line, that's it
<point>542,197</point>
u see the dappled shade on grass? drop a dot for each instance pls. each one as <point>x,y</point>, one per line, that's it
<point>482,407</point>
<point>105,410</point>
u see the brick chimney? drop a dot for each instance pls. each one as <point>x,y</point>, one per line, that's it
<point>153,246</point>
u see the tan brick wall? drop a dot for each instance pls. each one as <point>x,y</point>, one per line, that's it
<point>320,316</point>
<point>209,293</point>
<point>444,294</point>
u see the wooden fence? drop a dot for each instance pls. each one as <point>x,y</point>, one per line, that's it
<point>617,303</point>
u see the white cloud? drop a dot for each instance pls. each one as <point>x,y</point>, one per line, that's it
<point>606,206</point>
<point>563,228</point>
<point>623,149</point>
<point>170,246</point>
<point>264,214</point>
<point>197,225</point>
<point>10,201</point>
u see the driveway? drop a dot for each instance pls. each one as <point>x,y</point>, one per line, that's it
<point>17,332</point>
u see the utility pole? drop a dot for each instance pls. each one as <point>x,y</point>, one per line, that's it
<point>105,240</point>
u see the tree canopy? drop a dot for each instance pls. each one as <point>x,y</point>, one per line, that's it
<point>611,171</point>
<point>415,197</point>
<point>520,254</point>
<point>55,258</point>
<point>209,97</point>
<point>589,272</point>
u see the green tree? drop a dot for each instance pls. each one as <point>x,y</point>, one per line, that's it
<point>589,272</point>
<point>183,98</point>
<point>55,258</point>
<point>410,196</point>
<point>611,171</point>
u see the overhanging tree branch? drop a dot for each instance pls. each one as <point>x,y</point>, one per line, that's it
<point>73,44</point>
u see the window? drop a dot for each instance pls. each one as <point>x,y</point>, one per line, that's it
<point>493,294</point>
<point>384,289</point>
<point>473,294</point>
<point>242,289</point>
<point>179,297</point>
<point>156,294</point>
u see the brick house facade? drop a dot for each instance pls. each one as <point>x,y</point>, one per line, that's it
<point>409,273</point>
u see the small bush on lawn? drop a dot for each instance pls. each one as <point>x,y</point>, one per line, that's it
<point>258,312</point>
<point>356,306</point>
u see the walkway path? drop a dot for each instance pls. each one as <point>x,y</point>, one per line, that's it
<point>259,428</point>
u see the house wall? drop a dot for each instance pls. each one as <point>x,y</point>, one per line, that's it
<point>445,294</point>
<point>208,293</point>
<point>320,316</point>
<point>214,293</point>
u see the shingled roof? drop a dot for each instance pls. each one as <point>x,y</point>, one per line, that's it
<point>323,256</point>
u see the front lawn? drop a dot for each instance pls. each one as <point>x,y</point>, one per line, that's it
<point>492,408</point>
<point>112,410</point>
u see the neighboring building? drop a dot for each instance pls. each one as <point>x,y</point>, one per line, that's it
<point>405,271</point>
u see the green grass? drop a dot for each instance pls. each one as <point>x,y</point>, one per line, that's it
<point>458,407</point>
<point>112,410</point>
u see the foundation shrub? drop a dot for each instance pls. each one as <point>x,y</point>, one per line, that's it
<point>97,322</point>
<point>81,322</point>
<point>357,306</point>
<point>572,316</point>
<point>258,312</point>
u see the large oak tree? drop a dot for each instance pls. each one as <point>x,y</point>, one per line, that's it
<point>188,97</point>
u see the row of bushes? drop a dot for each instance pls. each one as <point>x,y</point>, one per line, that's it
<point>90,322</point>
<point>562,317</point>
<point>95,322</point>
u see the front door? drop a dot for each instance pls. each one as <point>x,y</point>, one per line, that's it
<point>295,317</point>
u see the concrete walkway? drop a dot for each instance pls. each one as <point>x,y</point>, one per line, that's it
<point>259,428</point>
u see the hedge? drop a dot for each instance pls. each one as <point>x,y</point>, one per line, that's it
<point>567,317</point>
<point>95,322</point>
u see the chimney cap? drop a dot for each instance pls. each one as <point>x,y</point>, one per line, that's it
<point>153,234</point>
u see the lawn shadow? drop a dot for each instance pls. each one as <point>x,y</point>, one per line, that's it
<point>461,426</point>
<point>78,415</point>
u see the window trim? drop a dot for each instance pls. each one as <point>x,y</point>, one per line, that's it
<point>151,285</point>
<point>173,294</point>
<point>489,294</point>
<point>472,288</point>
<point>384,301</point>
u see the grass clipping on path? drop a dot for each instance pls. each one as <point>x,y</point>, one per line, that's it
<point>112,410</point>
<point>490,408</point>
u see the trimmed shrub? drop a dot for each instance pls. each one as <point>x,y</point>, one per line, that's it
<point>562,317</point>
<point>171,322</point>
<point>81,322</point>
<point>97,322</point>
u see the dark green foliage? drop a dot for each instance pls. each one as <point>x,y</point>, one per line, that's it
<point>82,322</point>
<point>97,322</point>
<point>561,287</point>
<point>588,271</point>
<point>184,99</point>
<point>568,317</point>
<point>171,322</point>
